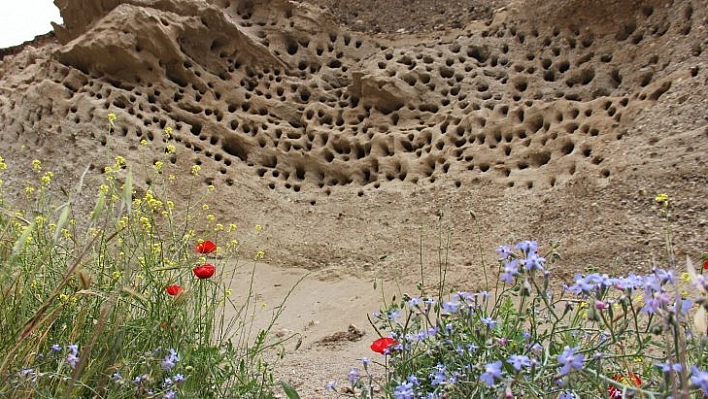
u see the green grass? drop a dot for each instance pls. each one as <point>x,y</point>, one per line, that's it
<point>84,307</point>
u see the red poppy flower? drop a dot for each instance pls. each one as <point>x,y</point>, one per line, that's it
<point>206,247</point>
<point>173,289</point>
<point>630,379</point>
<point>381,344</point>
<point>705,264</point>
<point>204,271</point>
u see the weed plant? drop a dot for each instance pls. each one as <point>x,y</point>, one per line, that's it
<point>129,300</point>
<point>634,336</point>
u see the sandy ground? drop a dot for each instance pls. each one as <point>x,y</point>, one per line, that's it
<point>320,312</point>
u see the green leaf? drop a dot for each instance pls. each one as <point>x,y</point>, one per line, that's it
<point>289,390</point>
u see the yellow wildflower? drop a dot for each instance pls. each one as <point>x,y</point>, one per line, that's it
<point>36,165</point>
<point>3,165</point>
<point>112,118</point>
<point>196,169</point>
<point>662,198</point>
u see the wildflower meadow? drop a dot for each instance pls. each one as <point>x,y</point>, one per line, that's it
<point>128,299</point>
<point>530,336</point>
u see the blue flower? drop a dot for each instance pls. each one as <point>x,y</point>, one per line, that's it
<point>404,391</point>
<point>414,302</point>
<point>569,360</point>
<point>331,386</point>
<point>519,361</point>
<point>72,359</point>
<point>511,269</point>
<point>534,262</point>
<point>170,394</point>
<point>567,395</point>
<point>170,360</point>
<point>699,378</point>
<point>492,371</point>
<point>451,307</point>
<point>489,322</point>
<point>178,378</point>
<point>438,376</point>
<point>527,246</point>
<point>73,348</point>
<point>353,375</point>
<point>668,367</point>
<point>413,380</point>
<point>56,348</point>
<point>664,275</point>
<point>504,251</point>
<point>394,314</point>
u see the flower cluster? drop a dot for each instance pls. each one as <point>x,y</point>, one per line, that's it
<point>569,342</point>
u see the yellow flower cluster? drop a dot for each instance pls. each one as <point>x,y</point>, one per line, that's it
<point>3,165</point>
<point>47,178</point>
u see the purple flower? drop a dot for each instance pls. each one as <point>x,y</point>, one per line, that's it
<point>664,275</point>
<point>55,348</point>
<point>450,307</point>
<point>331,386</point>
<point>534,262</point>
<point>413,380</point>
<point>511,269</point>
<point>438,376</point>
<point>527,246</point>
<point>72,359</point>
<point>504,251</point>
<point>353,375</point>
<point>569,360</point>
<point>170,394</point>
<point>178,378</point>
<point>394,314</point>
<point>519,361</point>
<point>668,367</point>
<point>73,348</point>
<point>170,360</point>
<point>699,378</point>
<point>492,371</point>
<point>489,322</point>
<point>404,391</point>
<point>567,395</point>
